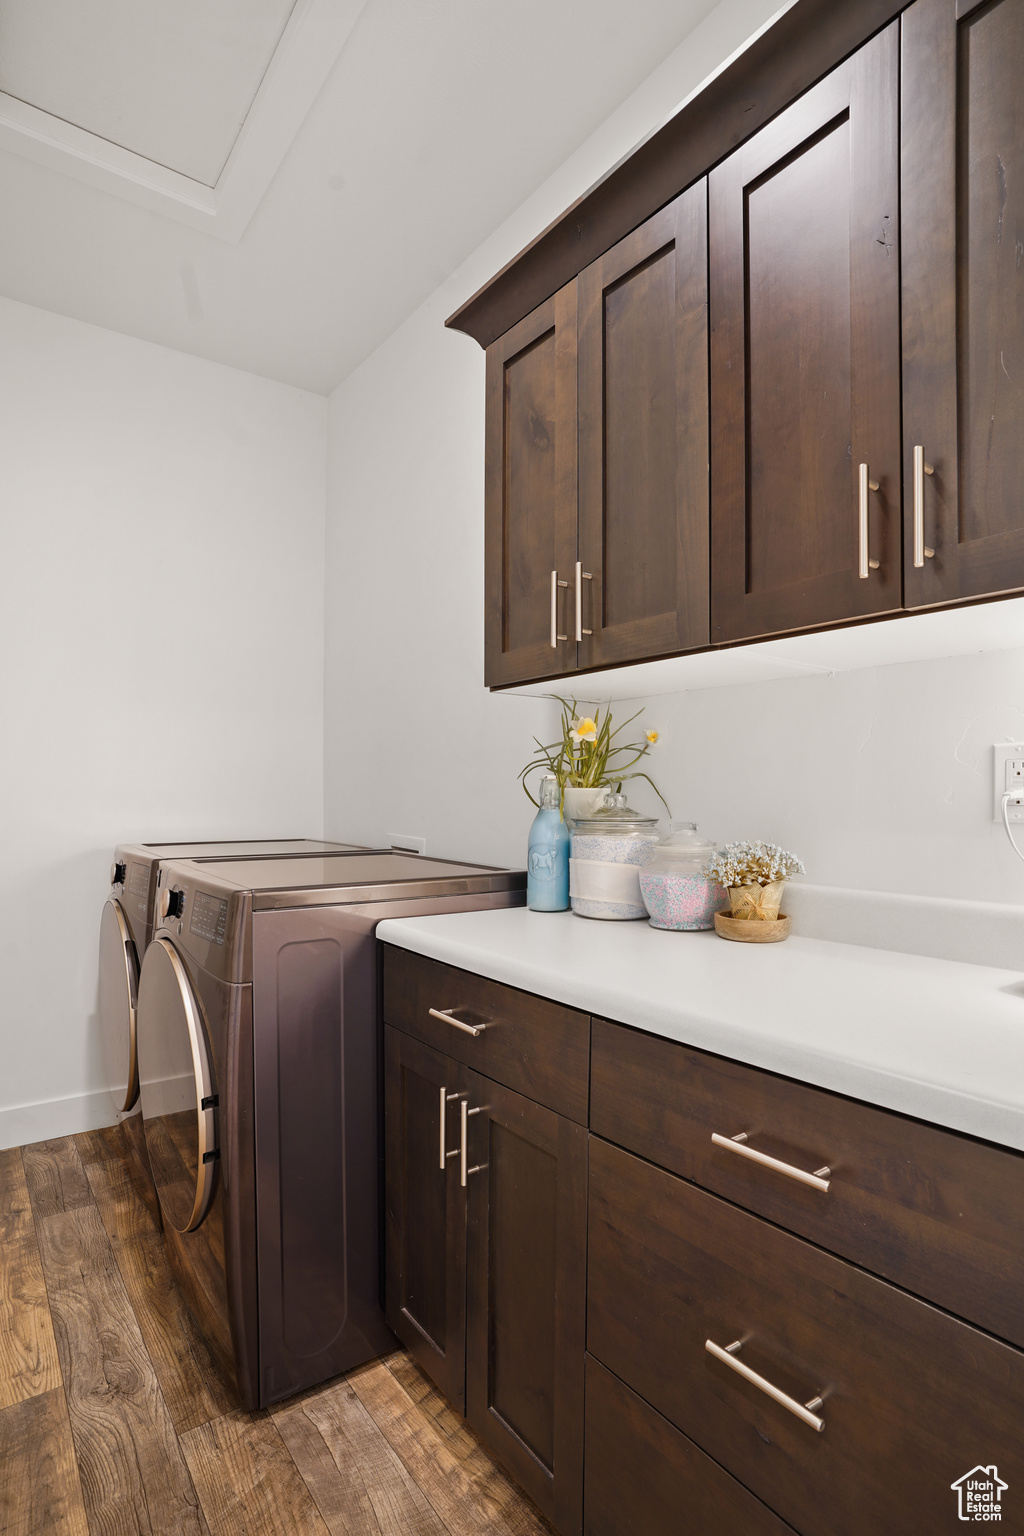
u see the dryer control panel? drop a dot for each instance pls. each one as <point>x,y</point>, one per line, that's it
<point>209,917</point>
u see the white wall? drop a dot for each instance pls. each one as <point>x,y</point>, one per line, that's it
<point>880,779</point>
<point>161,654</point>
<point>410,733</point>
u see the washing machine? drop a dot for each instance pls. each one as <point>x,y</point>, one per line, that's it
<point>126,926</point>
<point>259,1045</point>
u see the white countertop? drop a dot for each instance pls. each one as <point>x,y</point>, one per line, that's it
<point>938,1039</point>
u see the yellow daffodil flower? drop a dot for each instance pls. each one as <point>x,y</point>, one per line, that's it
<point>652,737</point>
<point>584,730</point>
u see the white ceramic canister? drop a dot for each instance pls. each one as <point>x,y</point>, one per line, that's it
<point>609,849</point>
<point>579,803</point>
<point>675,891</point>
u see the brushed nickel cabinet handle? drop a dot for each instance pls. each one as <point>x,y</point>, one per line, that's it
<point>802,1410</point>
<point>555,636</point>
<point>446,1099</point>
<point>865,564</point>
<point>465,1112</point>
<point>445,1015</point>
<point>581,577</point>
<point>819,1179</point>
<point>921,551</point>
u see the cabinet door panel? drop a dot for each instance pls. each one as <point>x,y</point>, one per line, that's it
<point>805,361</point>
<point>526,1262</point>
<point>426,1212</point>
<point>641,1472</point>
<point>643,406</point>
<point>530,494</point>
<point>962,148</point>
<point>908,1393</point>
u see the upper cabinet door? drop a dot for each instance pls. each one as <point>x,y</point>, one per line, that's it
<point>805,359</point>
<point>963,298</point>
<point>530,496</point>
<point>641,588</point>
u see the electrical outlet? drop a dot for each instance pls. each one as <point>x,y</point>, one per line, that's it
<point>1008,774</point>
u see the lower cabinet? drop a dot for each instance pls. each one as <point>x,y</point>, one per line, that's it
<point>425,1211</point>
<point>764,1348</point>
<point>486,1262</point>
<point>843,1403</point>
<point>525,1293</point>
<point>646,1479</point>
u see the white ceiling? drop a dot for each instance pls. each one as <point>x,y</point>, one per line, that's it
<point>173,83</point>
<point>437,120</point>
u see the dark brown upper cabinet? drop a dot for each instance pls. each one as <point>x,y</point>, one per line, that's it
<point>805,361</point>
<point>846,346</point>
<point>963,298</point>
<point>622,571</point>
<point>643,441</point>
<point>530,496</point>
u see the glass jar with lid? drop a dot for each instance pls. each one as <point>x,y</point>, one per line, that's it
<point>609,849</point>
<point>675,892</point>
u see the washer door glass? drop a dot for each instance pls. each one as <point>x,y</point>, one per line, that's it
<point>178,1099</point>
<point>119,977</point>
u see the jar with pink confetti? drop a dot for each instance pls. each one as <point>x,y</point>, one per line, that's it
<point>675,892</point>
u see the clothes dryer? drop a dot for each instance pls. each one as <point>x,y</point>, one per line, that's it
<point>126,926</point>
<point>259,1044</point>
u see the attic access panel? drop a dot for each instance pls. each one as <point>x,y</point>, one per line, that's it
<point>173,83</point>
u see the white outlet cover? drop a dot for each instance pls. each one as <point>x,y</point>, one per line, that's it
<point>1005,752</point>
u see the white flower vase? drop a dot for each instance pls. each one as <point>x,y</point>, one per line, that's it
<point>581,803</point>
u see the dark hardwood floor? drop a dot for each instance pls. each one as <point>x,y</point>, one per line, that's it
<point>113,1419</point>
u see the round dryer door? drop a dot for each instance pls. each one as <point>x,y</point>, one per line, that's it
<point>119,977</point>
<point>178,1099</point>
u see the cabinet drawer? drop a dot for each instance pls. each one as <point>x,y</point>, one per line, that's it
<point>912,1398</point>
<point>939,1213</point>
<point>642,1474</point>
<point>536,1047</point>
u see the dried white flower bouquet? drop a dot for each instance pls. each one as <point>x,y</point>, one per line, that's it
<point>754,874</point>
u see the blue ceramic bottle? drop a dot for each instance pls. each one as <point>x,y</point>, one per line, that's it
<point>547,860</point>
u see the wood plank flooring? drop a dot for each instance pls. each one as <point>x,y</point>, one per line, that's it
<point>114,1421</point>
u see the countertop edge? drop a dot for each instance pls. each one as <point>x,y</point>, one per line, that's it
<point>959,1110</point>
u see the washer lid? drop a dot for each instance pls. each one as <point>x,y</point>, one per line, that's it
<point>352,878</point>
<point>177,1090</point>
<point>119,976</point>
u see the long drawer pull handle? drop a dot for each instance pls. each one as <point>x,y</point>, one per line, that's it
<point>446,1099</point>
<point>581,577</point>
<point>921,551</point>
<point>445,1015</point>
<point>465,1112</point>
<point>819,1179</point>
<point>865,564</point>
<point>555,584</point>
<point>802,1410</point>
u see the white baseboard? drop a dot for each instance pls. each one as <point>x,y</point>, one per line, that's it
<point>169,1095</point>
<point>21,1124</point>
